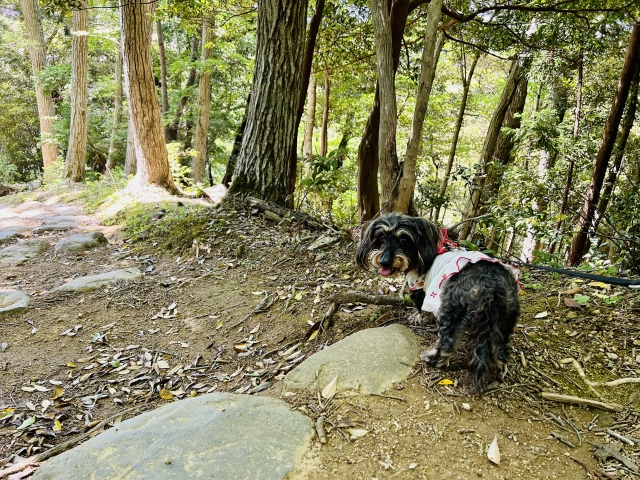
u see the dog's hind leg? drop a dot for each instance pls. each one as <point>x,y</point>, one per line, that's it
<point>451,322</point>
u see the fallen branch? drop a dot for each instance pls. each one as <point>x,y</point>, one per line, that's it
<point>41,457</point>
<point>358,297</point>
<point>592,470</point>
<point>603,452</point>
<point>612,383</point>
<point>556,397</point>
<point>563,439</point>
<point>260,305</point>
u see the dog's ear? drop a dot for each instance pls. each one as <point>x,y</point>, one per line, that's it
<point>365,246</point>
<point>429,238</point>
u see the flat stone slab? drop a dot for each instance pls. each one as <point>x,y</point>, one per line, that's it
<point>369,361</point>
<point>81,241</point>
<point>21,252</point>
<point>9,233</point>
<point>57,224</point>
<point>217,436</point>
<point>91,282</point>
<point>13,301</point>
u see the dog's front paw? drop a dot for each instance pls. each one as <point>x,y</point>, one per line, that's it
<point>430,357</point>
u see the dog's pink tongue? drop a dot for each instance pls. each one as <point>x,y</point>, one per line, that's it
<point>385,272</point>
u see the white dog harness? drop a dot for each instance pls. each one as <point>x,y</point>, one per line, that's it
<point>445,266</point>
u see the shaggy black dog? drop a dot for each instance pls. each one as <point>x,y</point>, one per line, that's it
<point>482,297</point>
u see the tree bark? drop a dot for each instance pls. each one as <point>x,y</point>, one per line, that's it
<point>148,137</point>
<point>163,78</point>
<point>237,144</point>
<point>204,105</point>
<point>130,163</point>
<point>77,151</point>
<point>387,153</point>
<point>608,139</point>
<point>37,54</point>
<point>466,84</point>
<point>264,161</point>
<point>400,200</point>
<point>117,109</point>
<point>310,44</point>
<point>473,203</point>
<point>174,128</point>
<point>324,132</point>
<point>368,161</point>
<point>618,153</point>
<point>307,149</point>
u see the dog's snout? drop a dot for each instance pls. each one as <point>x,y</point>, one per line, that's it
<point>387,259</point>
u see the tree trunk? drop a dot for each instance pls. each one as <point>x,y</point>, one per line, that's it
<point>608,139</point>
<point>400,200</point>
<point>618,153</point>
<point>264,161</point>
<point>204,105</point>
<point>163,77</point>
<point>130,163</point>
<point>174,128</point>
<point>572,158</point>
<point>237,144</point>
<point>310,45</point>
<point>307,149</point>
<point>387,153</point>
<point>325,115</point>
<point>37,53</point>
<point>473,203</point>
<point>466,84</point>
<point>117,109</point>
<point>368,160</point>
<point>77,151</point>
<point>148,137</point>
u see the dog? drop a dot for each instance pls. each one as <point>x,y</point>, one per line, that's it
<point>475,292</point>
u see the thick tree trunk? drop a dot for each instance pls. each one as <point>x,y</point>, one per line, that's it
<point>163,78</point>
<point>387,152</point>
<point>204,105</point>
<point>473,203</point>
<point>148,137</point>
<point>618,153</point>
<point>368,161</point>
<point>237,144</point>
<point>310,45</point>
<point>307,149</point>
<point>400,200</point>
<point>608,139</point>
<point>572,158</point>
<point>324,132</point>
<point>466,84</point>
<point>37,53</point>
<point>264,161</point>
<point>117,109</point>
<point>130,163</point>
<point>174,128</point>
<point>77,151</point>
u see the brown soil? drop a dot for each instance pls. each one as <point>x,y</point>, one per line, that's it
<point>420,430</point>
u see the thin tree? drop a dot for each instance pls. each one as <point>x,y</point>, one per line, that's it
<point>174,127</point>
<point>199,159</point>
<point>307,149</point>
<point>117,108</point>
<point>264,161</point>
<point>164,95</point>
<point>77,151</point>
<point>324,129</point>
<point>130,162</point>
<point>585,221</point>
<point>144,111</point>
<point>235,150</point>
<point>466,84</point>
<point>38,56</point>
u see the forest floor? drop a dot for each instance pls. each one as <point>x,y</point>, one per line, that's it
<point>75,359</point>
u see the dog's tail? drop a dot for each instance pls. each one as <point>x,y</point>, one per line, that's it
<point>486,343</point>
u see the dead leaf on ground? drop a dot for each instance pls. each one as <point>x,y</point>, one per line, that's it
<point>330,390</point>
<point>571,303</point>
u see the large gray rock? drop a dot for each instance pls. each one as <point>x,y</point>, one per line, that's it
<point>368,361</point>
<point>56,224</point>
<point>91,282</point>
<point>81,241</point>
<point>21,252</point>
<point>9,233</point>
<point>218,436</point>
<point>13,301</point>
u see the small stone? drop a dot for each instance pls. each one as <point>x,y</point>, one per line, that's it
<point>13,301</point>
<point>21,252</point>
<point>91,282</point>
<point>81,241</point>
<point>322,241</point>
<point>412,466</point>
<point>612,356</point>
<point>466,407</point>
<point>634,399</point>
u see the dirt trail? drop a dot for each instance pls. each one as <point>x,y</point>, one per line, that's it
<point>76,358</point>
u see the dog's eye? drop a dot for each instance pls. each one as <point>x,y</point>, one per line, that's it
<point>404,240</point>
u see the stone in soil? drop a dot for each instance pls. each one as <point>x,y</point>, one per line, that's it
<point>368,361</point>
<point>91,282</point>
<point>13,301</point>
<point>21,252</point>
<point>57,223</point>
<point>9,233</point>
<point>81,241</point>
<point>219,435</point>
